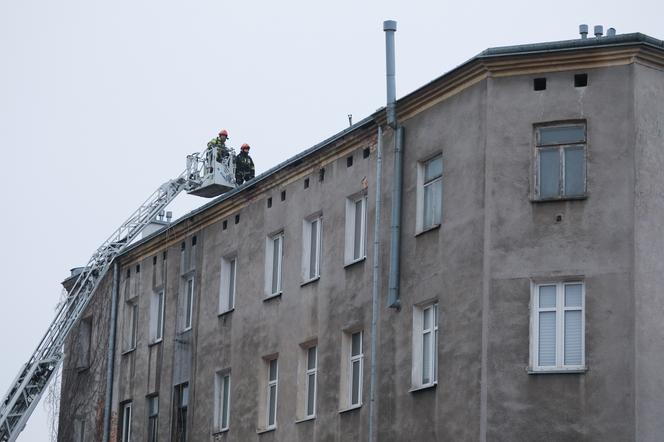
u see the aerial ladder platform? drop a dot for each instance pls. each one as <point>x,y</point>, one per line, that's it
<point>204,176</point>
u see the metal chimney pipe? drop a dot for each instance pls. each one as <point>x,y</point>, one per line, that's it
<point>390,27</point>
<point>611,32</point>
<point>583,30</point>
<point>599,30</point>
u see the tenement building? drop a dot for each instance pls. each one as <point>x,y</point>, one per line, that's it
<point>531,266</point>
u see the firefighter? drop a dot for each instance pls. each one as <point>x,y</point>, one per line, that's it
<point>244,166</point>
<point>219,143</point>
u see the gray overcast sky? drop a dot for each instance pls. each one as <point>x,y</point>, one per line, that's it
<point>101,101</point>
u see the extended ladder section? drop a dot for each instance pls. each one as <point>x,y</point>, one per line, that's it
<point>32,380</point>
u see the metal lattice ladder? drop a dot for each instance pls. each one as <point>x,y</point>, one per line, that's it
<point>33,378</point>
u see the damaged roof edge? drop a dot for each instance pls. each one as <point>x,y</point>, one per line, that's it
<point>490,53</point>
<point>262,177</point>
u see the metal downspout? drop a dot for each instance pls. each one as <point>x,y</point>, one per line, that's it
<point>375,295</point>
<point>390,27</point>
<point>110,362</point>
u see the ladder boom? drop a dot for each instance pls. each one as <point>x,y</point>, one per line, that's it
<point>32,380</point>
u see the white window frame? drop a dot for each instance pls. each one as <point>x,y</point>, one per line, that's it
<point>131,326</point>
<point>153,415</point>
<point>125,431</point>
<point>346,375</point>
<point>228,283</point>
<point>419,332</point>
<point>268,394</point>
<point>421,185</point>
<point>222,408</point>
<point>157,308</point>
<point>561,148</point>
<point>560,310</point>
<point>351,242</point>
<point>271,267</point>
<point>310,245</point>
<point>310,372</point>
<point>188,304</point>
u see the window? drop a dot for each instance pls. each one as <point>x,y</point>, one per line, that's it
<point>157,316</point>
<point>310,382</point>
<point>180,412</point>
<point>560,156</point>
<point>273,260</point>
<point>130,326</point>
<point>429,193</point>
<point>125,430</point>
<point>558,324</point>
<point>425,346</point>
<point>84,354</point>
<point>356,228</point>
<point>79,429</point>
<point>272,390</point>
<point>188,312</point>
<point>227,288</point>
<point>539,84</point>
<point>311,235</point>
<point>351,370</point>
<point>153,415</point>
<point>222,400</point>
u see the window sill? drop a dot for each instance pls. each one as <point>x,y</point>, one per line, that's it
<point>218,432</point>
<point>578,370</point>
<point>305,419</point>
<point>265,430</point>
<point>563,198</point>
<point>224,313</point>
<point>309,281</point>
<point>352,263</point>
<point>354,407</point>
<point>156,342</point>
<point>271,297</point>
<point>423,387</point>
<point>427,229</point>
<point>126,352</point>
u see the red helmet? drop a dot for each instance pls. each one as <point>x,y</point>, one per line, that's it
<point>245,146</point>
<point>223,132</point>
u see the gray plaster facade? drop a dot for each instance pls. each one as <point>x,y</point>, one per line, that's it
<point>495,242</point>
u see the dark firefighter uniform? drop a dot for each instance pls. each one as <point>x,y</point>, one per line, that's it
<point>244,166</point>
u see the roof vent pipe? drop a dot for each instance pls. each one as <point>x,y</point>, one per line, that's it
<point>583,30</point>
<point>611,32</point>
<point>599,31</point>
<point>390,27</point>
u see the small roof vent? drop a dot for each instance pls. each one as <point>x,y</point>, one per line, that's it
<point>599,31</point>
<point>611,32</point>
<point>583,30</point>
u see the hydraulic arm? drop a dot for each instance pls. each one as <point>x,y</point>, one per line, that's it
<point>32,380</point>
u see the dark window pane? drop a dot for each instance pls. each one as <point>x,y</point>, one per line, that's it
<point>357,249</point>
<point>273,405</point>
<point>313,255</point>
<point>562,135</point>
<point>311,358</point>
<point>231,284</point>
<point>356,347</point>
<point>549,173</point>
<point>355,390</point>
<point>224,408</point>
<point>273,370</point>
<point>311,394</point>
<point>574,171</point>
